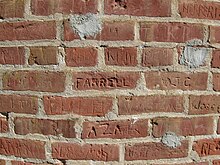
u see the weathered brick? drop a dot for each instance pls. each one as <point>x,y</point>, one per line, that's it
<point>3,125</point>
<point>115,129</point>
<point>149,104</point>
<point>111,31</point>
<point>176,80</point>
<point>48,7</point>
<point>183,126</point>
<point>216,162</point>
<point>77,57</point>
<point>25,126</point>
<point>22,148</point>
<point>150,8</point>
<point>204,104</point>
<point>27,30</point>
<point>2,162</point>
<point>197,163</point>
<point>105,80</point>
<point>157,57</point>
<point>96,152</point>
<point>121,56</point>
<point>97,106</point>
<point>14,162</point>
<point>199,9</point>
<point>154,150</point>
<point>216,81</point>
<point>42,81</point>
<point>114,31</point>
<point>19,104</point>
<point>43,55</point>
<point>207,147</point>
<point>170,32</point>
<point>214,34</point>
<point>12,55</point>
<point>11,8</point>
<point>216,58</point>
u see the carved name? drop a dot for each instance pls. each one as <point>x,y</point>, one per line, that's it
<point>204,10</point>
<point>115,129</point>
<point>100,81</point>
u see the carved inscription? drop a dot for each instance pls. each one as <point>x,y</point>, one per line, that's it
<point>97,152</point>
<point>22,148</point>
<point>18,104</point>
<point>200,9</point>
<point>81,57</point>
<point>34,81</point>
<point>204,104</point>
<point>98,106</point>
<point>115,129</point>
<point>151,151</point>
<point>150,104</point>
<point>12,55</point>
<point>207,147</point>
<point>100,81</point>
<point>3,125</point>
<point>121,56</point>
<point>176,80</point>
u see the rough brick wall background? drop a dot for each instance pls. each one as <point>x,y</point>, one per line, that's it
<point>109,82</point>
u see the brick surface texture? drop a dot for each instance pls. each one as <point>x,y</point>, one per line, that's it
<point>109,82</point>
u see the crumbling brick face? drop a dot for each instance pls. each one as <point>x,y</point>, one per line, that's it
<point>109,82</point>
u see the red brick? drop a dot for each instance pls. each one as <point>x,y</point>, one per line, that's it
<point>111,31</point>
<point>27,163</point>
<point>170,32</point>
<point>43,55</point>
<point>11,8</point>
<point>27,30</point>
<point>121,56</point>
<point>105,80</point>
<point>25,126</point>
<point>216,81</point>
<point>96,152</point>
<point>3,125</point>
<point>207,147</point>
<point>149,104</point>
<point>216,162</point>
<point>69,33</point>
<point>22,148</point>
<point>115,129</point>
<point>150,8</point>
<point>204,104</point>
<point>117,31</point>
<point>2,162</point>
<point>19,104</point>
<point>42,81</point>
<point>176,80</point>
<point>157,57</point>
<point>12,55</point>
<point>198,163</point>
<point>48,7</point>
<point>77,57</point>
<point>154,150</point>
<point>214,34</point>
<point>97,106</point>
<point>216,58</point>
<point>199,9</point>
<point>183,126</point>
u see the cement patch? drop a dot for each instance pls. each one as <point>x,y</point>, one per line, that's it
<point>86,25</point>
<point>171,140</point>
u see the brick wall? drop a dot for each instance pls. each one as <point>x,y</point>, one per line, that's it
<point>109,82</point>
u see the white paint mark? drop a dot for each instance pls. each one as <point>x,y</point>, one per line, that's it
<point>171,140</point>
<point>86,25</point>
<point>192,55</point>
